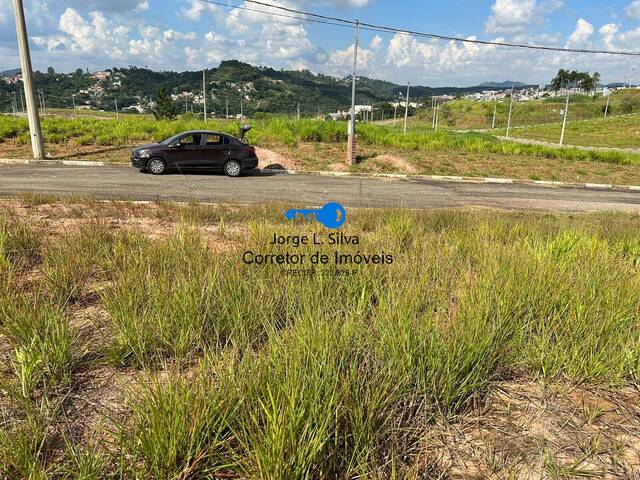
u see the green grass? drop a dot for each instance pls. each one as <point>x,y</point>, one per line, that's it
<point>468,114</point>
<point>288,132</point>
<point>618,132</point>
<point>241,371</point>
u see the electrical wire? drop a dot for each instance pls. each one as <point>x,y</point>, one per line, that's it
<point>295,14</point>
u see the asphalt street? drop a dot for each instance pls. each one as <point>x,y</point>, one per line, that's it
<point>119,182</point>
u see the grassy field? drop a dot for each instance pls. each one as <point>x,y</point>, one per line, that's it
<point>136,344</point>
<point>468,114</point>
<point>617,132</point>
<point>314,145</point>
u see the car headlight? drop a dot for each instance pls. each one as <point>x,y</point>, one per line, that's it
<point>143,153</point>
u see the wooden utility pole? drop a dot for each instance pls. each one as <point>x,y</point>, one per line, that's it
<point>37,144</point>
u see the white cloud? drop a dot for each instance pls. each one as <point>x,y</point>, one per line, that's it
<point>143,6</point>
<point>633,10</point>
<point>5,8</point>
<point>171,35</point>
<point>197,8</point>
<point>581,34</point>
<point>510,16</point>
<point>608,33</point>
<point>116,6</point>
<point>375,42</point>
<point>517,16</point>
<point>340,62</point>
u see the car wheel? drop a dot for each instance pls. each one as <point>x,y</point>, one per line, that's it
<point>156,166</point>
<point>233,168</point>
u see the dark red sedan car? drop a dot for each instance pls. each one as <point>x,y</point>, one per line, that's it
<point>197,150</point>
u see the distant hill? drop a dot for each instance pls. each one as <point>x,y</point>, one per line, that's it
<point>10,73</point>
<point>505,84</point>
<point>263,89</point>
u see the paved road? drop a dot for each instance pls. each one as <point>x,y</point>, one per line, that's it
<point>127,183</point>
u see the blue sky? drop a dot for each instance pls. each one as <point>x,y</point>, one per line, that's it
<point>189,34</point>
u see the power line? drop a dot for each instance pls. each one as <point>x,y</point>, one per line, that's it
<point>274,14</point>
<point>341,22</point>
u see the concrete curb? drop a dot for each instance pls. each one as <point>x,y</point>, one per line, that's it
<point>72,163</point>
<point>434,178</point>
<point>458,179</point>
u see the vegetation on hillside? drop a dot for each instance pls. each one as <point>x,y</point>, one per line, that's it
<point>264,89</point>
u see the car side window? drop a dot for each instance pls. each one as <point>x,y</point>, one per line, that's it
<point>191,140</point>
<point>214,140</point>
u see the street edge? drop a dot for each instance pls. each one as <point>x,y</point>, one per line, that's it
<point>402,176</point>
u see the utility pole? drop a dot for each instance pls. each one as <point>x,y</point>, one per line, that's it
<point>351,153</point>
<point>21,98</point>
<point>435,127</point>
<point>44,106</point>
<point>606,108</point>
<point>73,99</point>
<point>298,112</point>
<point>435,109</point>
<point>115,101</point>
<point>204,95</point>
<point>495,110</point>
<point>37,144</point>
<point>406,107</point>
<point>564,119</point>
<point>395,113</point>
<point>227,108</point>
<point>510,110</point>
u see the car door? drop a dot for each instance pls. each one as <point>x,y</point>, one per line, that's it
<point>187,151</point>
<point>215,150</point>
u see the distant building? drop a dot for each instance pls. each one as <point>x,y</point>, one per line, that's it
<point>102,75</point>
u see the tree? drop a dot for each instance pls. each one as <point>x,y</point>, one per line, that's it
<point>164,107</point>
<point>51,72</point>
<point>575,79</point>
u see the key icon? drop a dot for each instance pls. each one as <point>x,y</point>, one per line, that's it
<point>332,215</point>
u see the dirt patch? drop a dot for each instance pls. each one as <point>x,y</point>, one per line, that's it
<point>338,167</point>
<point>386,162</point>
<point>534,431</point>
<point>156,221</point>
<point>270,159</point>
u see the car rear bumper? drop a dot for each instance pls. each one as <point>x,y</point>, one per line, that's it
<point>250,163</point>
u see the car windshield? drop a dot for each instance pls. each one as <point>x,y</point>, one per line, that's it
<point>171,140</point>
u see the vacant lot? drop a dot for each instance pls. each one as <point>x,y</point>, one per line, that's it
<point>136,344</point>
<point>468,114</point>
<point>617,132</point>
<point>320,145</point>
